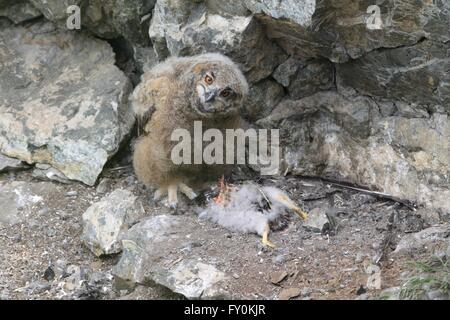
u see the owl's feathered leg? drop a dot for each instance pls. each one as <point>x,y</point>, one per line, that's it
<point>173,195</point>
<point>265,237</point>
<point>187,191</point>
<point>172,190</point>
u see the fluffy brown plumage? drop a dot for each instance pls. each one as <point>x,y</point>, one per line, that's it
<point>208,88</point>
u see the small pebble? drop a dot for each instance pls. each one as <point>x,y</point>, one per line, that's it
<point>49,274</point>
<point>280,259</point>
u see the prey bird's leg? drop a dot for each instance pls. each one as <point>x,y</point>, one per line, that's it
<point>265,237</point>
<point>187,191</point>
<point>291,205</point>
<point>173,196</point>
<point>159,193</point>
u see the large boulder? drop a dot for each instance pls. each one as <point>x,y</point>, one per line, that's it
<point>63,101</point>
<point>7,164</point>
<point>105,221</point>
<point>152,254</point>
<point>18,10</point>
<point>187,28</point>
<point>415,243</point>
<point>393,73</point>
<point>107,19</point>
<point>387,147</point>
<point>340,30</point>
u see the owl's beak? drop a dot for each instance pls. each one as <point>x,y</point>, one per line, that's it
<point>210,95</point>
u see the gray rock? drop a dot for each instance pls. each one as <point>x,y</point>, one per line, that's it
<point>317,220</point>
<point>8,164</point>
<point>108,19</point>
<point>5,294</point>
<point>16,198</point>
<point>192,279</point>
<point>60,268</point>
<point>437,295</point>
<point>289,293</point>
<point>63,100</point>
<point>151,255</point>
<point>77,277</point>
<point>145,58</point>
<point>284,73</point>
<point>374,278</point>
<point>305,79</point>
<point>279,259</point>
<point>186,28</point>
<point>339,30</point>
<point>429,237</point>
<point>331,134</point>
<point>263,97</point>
<point>430,216</point>
<point>360,256</point>
<point>37,287</point>
<point>392,73</point>
<point>106,221</point>
<point>18,11</point>
<point>104,186</point>
<point>297,11</point>
<point>54,10</point>
<point>46,172</point>
<point>312,77</point>
<point>390,293</point>
<point>228,8</point>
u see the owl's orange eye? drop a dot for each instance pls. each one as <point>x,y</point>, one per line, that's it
<point>208,79</point>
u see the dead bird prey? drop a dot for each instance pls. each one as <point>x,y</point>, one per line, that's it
<point>250,209</point>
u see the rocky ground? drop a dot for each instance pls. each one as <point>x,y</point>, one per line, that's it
<point>355,252</point>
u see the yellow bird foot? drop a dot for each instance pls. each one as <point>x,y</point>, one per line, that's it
<point>291,205</point>
<point>265,237</point>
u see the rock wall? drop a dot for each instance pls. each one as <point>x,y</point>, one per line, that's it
<point>358,95</point>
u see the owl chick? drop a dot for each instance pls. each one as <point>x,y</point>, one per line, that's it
<point>172,95</point>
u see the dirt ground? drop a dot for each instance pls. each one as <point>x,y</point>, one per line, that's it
<point>323,266</point>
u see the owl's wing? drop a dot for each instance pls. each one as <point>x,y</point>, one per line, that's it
<point>156,87</point>
<point>146,95</point>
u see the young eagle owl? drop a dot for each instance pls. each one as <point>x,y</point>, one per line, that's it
<point>208,88</point>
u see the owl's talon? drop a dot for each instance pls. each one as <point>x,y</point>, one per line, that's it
<point>173,206</point>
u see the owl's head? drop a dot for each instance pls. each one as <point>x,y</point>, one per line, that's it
<point>219,86</point>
